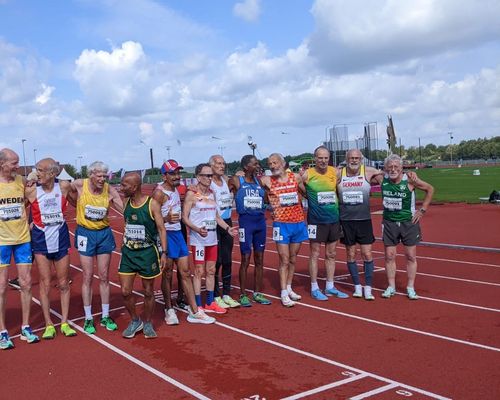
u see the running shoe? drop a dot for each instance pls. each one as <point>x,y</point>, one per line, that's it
<point>294,296</point>
<point>410,292</point>
<point>245,301</point>
<point>171,317</point>
<point>358,291</point>
<point>49,332</point>
<point>259,298</point>
<point>148,330</point>
<point>182,304</point>
<point>200,318</point>
<point>337,293</point>
<point>230,301</point>
<point>389,292</point>
<point>28,335</point>
<point>214,308</point>
<point>318,295</point>
<point>109,324</point>
<point>88,326</point>
<point>133,327</point>
<point>368,293</point>
<point>14,283</point>
<point>286,301</point>
<point>5,342</point>
<point>67,330</point>
<point>221,303</point>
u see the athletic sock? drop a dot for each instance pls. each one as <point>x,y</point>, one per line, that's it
<point>368,272</point>
<point>284,293</point>
<point>4,331</point>
<point>329,285</point>
<point>105,310</point>
<point>288,288</point>
<point>353,270</point>
<point>88,312</point>
<point>210,297</point>
<point>197,297</point>
<point>314,286</point>
<point>24,327</point>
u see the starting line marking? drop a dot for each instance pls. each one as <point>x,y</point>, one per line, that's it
<point>325,387</point>
<point>374,391</point>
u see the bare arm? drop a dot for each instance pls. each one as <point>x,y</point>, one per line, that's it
<point>234,184</point>
<point>372,174</point>
<point>156,211</point>
<point>429,192</point>
<point>233,231</point>
<point>159,196</point>
<point>116,199</point>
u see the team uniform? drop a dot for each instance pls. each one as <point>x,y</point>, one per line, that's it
<point>203,214</point>
<point>354,199</point>
<point>399,207</point>
<point>323,212</point>
<point>250,206</point>
<point>50,234</point>
<point>140,253</point>
<point>176,243</point>
<point>14,230</point>
<point>93,234</point>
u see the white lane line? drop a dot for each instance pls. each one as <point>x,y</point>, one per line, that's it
<point>374,391</point>
<point>325,387</point>
<point>133,359</point>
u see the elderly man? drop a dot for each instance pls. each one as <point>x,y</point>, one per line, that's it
<point>401,221</point>
<point>289,228</point>
<point>50,239</point>
<point>354,202</point>
<point>14,242</point>
<point>94,239</point>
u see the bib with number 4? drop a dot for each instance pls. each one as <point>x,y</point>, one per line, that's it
<point>199,253</point>
<point>82,243</point>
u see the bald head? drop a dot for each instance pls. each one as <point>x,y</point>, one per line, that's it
<point>130,184</point>
<point>9,162</point>
<point>49,165</point>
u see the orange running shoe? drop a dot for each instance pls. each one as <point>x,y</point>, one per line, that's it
<point>214,308</point>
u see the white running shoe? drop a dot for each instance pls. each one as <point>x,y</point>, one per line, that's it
<point>358,291</point>
<point>294,296</point>
<point>200,318</point>
<point>171,317</point>
<point>287,302</point>
<point>368,293</point>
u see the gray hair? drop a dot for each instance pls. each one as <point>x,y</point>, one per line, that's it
<point>321,148</point>
<point>278,155</point>
<point>393,158</point>
<point>213,158</point>
<point>98,166</point>
<point>5,154</point>
<point>352,151</point>
<point>53,165</point>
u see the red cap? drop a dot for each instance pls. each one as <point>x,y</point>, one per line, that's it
<point>170,166</point>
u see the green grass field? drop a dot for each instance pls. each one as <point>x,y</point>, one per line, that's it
<point>459,184</point>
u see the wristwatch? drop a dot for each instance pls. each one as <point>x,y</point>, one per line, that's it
<point>423,210</point>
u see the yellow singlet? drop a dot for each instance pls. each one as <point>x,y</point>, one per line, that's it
<point>13,222</point>
<point>92,209</point>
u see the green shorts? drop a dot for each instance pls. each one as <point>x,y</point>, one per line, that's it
<point>144,262</point>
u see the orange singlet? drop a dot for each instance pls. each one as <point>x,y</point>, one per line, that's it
<point>284,198</point>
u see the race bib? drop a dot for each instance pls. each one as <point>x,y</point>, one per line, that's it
<point>352,197</point>
<point>199,253</point>
<point>393,203</point>
<point>53,218</point>
<point>225,202</point>
<point>210,224</point>
<point>312,231</point>
<point>8,213</point>
<point>252,203</point>
<point>276,234</point>
<point>288,199</point>
<point>135,232</point>
<point>82,243</point>
<point>326,198</point>
<point>93,213</point>
<point>241,234</point>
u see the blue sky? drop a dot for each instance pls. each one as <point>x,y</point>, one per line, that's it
<point>107,79</point>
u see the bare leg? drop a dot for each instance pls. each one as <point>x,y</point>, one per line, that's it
<point>330,254</point>
<point>166,283</point>
<point>44,272</point>
<point>390,265</point>
<point>245,261</point>
<point>313,261</point>
<point>87,264</point>
<point>284,257</point>
<point>127,284</point>
<point>411,264</point>
<point>258,259</point>
<point>62,270</point>
<point>4,278</point>
<point>24,272</point>
<point>187,282</point>
<point>103,261</point>
<point>149,298</point>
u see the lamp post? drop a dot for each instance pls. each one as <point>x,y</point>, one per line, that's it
<point>221,149</point>
<point>34,155</point>
<point>168,151</point>
<point>24,157</point>
<point>252,145</point>
<point>451,147</point>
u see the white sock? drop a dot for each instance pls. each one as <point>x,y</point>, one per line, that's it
<point>88,312</point>
<point>357,288</point>
<point>329,285</point>
<point>289,288</point>
<point>314,286</point>
<point>105,310</point>
<point>284,293</point>
<point>24,326</point>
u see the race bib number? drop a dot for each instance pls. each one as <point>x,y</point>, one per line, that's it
<point>93,213</point>
<point>276,234</point>
<point>241,234</point>
<point>135,232</point>
<point>225,202</point>
<point>393,203</point>
<point>352,197</point>
<point>289,199</point>
<point>54,218</point>
<point>210,224</point>
<point>82,243</point>
<point>8,213</point>
<point>252,203</point>
<point>326,198</point>
<point>199,253</point>
<point>312,231</point>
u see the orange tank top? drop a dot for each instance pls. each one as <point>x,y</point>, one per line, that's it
<point>284,198</point>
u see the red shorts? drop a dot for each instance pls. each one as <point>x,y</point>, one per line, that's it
<point>202,254</point>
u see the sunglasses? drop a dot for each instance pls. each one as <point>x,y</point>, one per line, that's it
<point>206,175</point>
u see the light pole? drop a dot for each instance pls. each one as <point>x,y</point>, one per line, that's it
<point>34,155</point>
<point>252,145</point>
<point>168,151</point>
<point>221,149</point>
<point>80,158</point>
<point>451,147</point>
<point>24,157</point>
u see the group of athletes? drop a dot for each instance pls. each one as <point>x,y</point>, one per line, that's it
<point>155,235</point>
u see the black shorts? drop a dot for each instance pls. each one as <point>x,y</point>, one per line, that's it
<point>406,232</point>
<point>360,232</point>
<point>324,233</point>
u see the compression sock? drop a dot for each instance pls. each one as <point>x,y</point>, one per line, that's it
<point>353,270</point>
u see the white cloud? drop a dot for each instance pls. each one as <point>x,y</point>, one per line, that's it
<point>249,10</point>
<point>44,96</point>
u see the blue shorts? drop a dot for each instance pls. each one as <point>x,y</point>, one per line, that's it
<point>289,232</point>
<point>90,242</point>
<point>176,245</point>
<point>53,242</point>
<point>252,233</point>
<point>22,254</point>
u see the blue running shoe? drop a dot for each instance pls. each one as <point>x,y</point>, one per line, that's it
<point>28,335</point>
<point>133,327</point>
<point>337,293</point>
<point>318,295</point>
<point>5,342</point>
